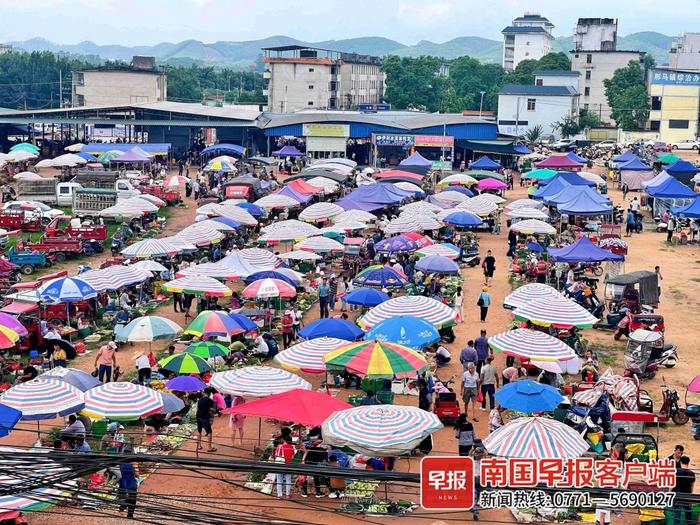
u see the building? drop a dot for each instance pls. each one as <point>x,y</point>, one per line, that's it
<point>300,77</point>
<point>675,103</point>
<point>141,82</point>
<point>557,77</point>
<point>522,107</point>
<point>595,34</point>
<point>594,67</point>
<point>685,52</point>
<point>528,38</point>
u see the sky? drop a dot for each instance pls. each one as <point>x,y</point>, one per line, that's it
<point>146,22</point>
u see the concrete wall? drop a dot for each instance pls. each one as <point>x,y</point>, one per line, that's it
<point>548,110</point>
<point>603,65</point>
<point>363,82</point>
<point>677,103</point>
<point>597,37</point>
<point>527,47</point>
<point>295,86</point>
<point>553,80</point>
<point>685,53</point>
<point>118,87</point>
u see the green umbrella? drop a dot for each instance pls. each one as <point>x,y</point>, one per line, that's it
<point>108,156</point>
<point>185,363</point>
<point>483,174</point>
<point>540,174</point>
<point>207,349</point>
<point>668,158</point>
<point>25,146</point>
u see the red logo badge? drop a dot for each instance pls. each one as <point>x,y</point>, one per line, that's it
<point>447,483</point>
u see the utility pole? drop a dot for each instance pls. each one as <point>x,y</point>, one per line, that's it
<point>60,88</point>
<point>481,103</point>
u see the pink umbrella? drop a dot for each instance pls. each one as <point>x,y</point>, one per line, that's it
<point>268,288</point>
<point>694,385</point>
<point>491,184</point>
<point>11,322</point>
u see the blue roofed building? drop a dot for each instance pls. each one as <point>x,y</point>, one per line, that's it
<point>529,37</point>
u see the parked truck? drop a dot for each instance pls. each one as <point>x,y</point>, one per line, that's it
<point>51,191</point>
<point>89,202</point>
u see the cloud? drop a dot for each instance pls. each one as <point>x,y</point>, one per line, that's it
<point>423,13</point>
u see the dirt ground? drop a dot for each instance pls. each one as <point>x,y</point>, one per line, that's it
<point>680,267</point>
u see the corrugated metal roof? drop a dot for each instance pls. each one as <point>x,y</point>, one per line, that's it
<point>523,29</point>
<point>527,89</point>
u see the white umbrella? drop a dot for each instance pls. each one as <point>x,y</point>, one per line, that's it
<point>300,255</point>
<point>68,159</point>
<point>479,207</point>
<point>420,207</point>
<point>533,226</point>
<point>355,215</point>
<point>403,224</point>
<point>409,186</point>
<point>527,213</point>
<point>491,197</point>
<point>523,203</point>
<point>276,201</point>
<point>452,196</point>
<point>74,148</point>
<point>149,266</point>
<point>21,155</point>
<point>27,175</point>
<point>328,185</point>
<point>320,244</point>
<point>46,163</point>
<point>458,178</point>
<point>426,222</point>
<point>293,224</point>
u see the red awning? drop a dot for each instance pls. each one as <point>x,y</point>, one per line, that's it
<point>354,241</point>
<point>51,276</point>
<point>30,285</point>
<point>17,308</point>
<point>399,173</point>
<point>304,187</point>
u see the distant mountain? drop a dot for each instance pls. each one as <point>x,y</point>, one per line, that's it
<point>247,53</point>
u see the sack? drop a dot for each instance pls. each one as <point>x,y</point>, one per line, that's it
<point>94,373</point>
<point>480,301</point>
<point>480,397</point>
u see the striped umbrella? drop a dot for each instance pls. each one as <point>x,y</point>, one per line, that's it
<point>589,397</point>
<point>200,235</point>
<point>425,221</point>
<point>307,356</point>
<point>283,234</point>
<point>66,290</point>
<point>478,207</point>
<point>114,277</point>
<point>273,201</point>
<point>137,203</point>
<point>122,401</point>
<point>529,293</point>
<point>260,259</point>
<point>458,178</point>
<point>556,311</point>
<point>452,196</point>
<point>207,349</point>
<point>445,250</point>
<point>421,207</point>
<point>180,244</point>
<point>533,226</point>
<point>185,363</point>
<point>80,379</point>
<point>403,224</point>
<point>230,212</point>
<point>217,270</point>
<point>328,185</point>
<point>536,438</point>
<point>320,244</point>
<point>219,225</point>
<point>292,224</point>
<point>523,203</point>
<point>256,381</point>
<point>527,213</point>
<point>354,215</point>
<point>8,337</point>
<point>384,430</point>
<point>219,165</point>
<point>376,359</point>
<point>268,288</point>
<point>148,248</point>
<point>44,398</point>
<point>199,286</point>
<point>490,197</point>
<point>431,310</point>
<point>531,344</point>
<point>300,255</point>
<point>211,323</point>
<point>320,211</point>
<point>148,265</point>
<point>175,181</point>
<point>149,328</point>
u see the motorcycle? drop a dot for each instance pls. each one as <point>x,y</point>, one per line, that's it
<point>471,255</point>
<point>670,408</point>
<point>116,246</point>
<point>646,352</point>
<point>92,246</point>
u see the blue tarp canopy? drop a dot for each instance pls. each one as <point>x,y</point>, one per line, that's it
<point>671,189</point>
<point>299,197</point>
<point>521,149</point>
<point>691,210</point>
<point>625,157</point>
<point>576,158</point>
<point>95,148</point>
<point>583,250</point>
<point>656,181</point>
<point>572,192</point>
<point>231,148</point>
<point>568,176</point>
<point>87,157</point>
<point>416,159</point>
<point>373,196</point>
<point>288,151</point>
<point>460,189</point>
<point>635,165</point>
<point>485,163</point>
<point>555,185</point>
<point>584,203</point>
<point>682,167</point>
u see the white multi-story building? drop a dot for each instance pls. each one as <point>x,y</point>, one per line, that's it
<point>594,67</point>
<point>139,83</point>
<point>595,34</point>
<point>528,38</point>
<point>522,107</point>
<point>685,52</point>
<point>299,77</point>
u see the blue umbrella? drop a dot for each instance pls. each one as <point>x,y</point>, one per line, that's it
<point>226,221</point>
<point>379,277</point>
<point>365,297</point>
<point>87,157</point>
<point>243,321</point>
<point>462,219</point>
<point>253,209</point>
<point>338,328</point>
<point>396,244</point>
<point>79,379</point>
<point>9,417</point>
<point>171,403</point>
<point>534,247</point>
<point>405,330</point>
<point>460,189</point>
<point>185,384</point>
<point>66,290</point>
<point>528,397</point>
<point>271,274</point>
<point>437,264</point>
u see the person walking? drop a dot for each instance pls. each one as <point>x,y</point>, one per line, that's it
<point>484,301</point>
<point>128,487</point>
<point>177,301</point>
<point>464,432</point>
<point>489,384</point>
<point>143,367</point>
<point>489,266</point>
<point>481,344</point>
<point>670,228</point>
<point>105,361</point>
<point>468,355</point>
<point>425,398</point>
<point>323,294</point>
<point>205,414</point>
<point>332,292</point>
<point>470,384</point>
<point>284,452</point>
<point>236,421</point>
<point>287,329</point>
<point>685,482</point>
<point>458,301</point>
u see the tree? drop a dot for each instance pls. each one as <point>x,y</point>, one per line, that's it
<point>587,119</point>
<point>628,97</point>
<point>554,61</point>
<point>415,83</point>
<point>534,133</point>
<point>567,126</point>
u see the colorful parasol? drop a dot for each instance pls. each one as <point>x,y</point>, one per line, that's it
<point>122,401</point>
<point>307,356</point>
<point>8,337</point>
<point>148,328</point>
<point>535,438</point>
<point>185,384</point>
<point>260,259</point>
<point>114,277</point>
<point>384,430</point>
<point>66,290</point>
<point>211,323</point>
<point>529,293</point>
<point>43,398</point>
<point>200,235</point>
<point>207,349</point>
<point>175,181</point>
<point>320,211</point>
<point>403,224</point>
<point>556,311</point>
<point>320,244</point>
<point>185,363</point>
<point>531,344</point>
<point>431,310</point>
<point>219,165</point>
<point>376,359</point>
<point>257,381</point>
<point>533,226</point>
<point>378,276</point>
<point>199,286</point>
<point>479,207</point>
<point>269,288</point>
<point>148,248</point>
<point>458,178</point>
<point>409,331</point>
<point>445,250</point>
<point>300,255</point>
<point>397,244</point>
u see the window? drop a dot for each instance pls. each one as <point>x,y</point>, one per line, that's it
<point>311,86</point>
<point>585,106</point>
<point>531,104</point>
<point>678,124</point>
<point>655,125</point>
<point>311,70</point>
<point>656,103</point>
<point>538,82</point>
<point>332,103</point>
<point>586,92</point>
<point>510,39</point>
<point>310,103</point>
<point>588,74</point>
<point>589,58</point>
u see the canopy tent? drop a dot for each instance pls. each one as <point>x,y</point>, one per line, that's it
<point>634,173</point>
<point>416,159</point>
<point>691,210</point>
<point>288,151</point>
<point>485,163</point>
<point>583,250</point>
<point>572,192</point>
<point>555,186</point>
<point>682,166</point>
<point>559,162</point>
<point>135,155</point>
<point>540,174</point>
<point>635,165</point>
<point>625,157</point>
<point>656,181</point>
<point>671,189</point>
<point>567,176</point>
<point>230,148</point>
<point>373,196</point>
<point>585,203</point>
<point>576,158</point>
<point>400,174</point>
<point>301,198</point>
<point>95,148</point>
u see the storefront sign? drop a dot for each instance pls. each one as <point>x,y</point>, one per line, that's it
<point>675,78</point>
<point>434,141</point>
<point>326,130</point>
<point>393,140</point>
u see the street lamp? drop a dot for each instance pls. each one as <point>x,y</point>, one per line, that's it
<point>481,104</point>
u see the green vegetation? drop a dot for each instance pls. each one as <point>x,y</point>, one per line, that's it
<point>628,97</point>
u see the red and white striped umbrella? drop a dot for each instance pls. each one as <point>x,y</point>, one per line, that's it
<point>182,245</point>
<point>122,401</point>
<point>43,398</point>
<point>307,356</point>
<point>320,244</point>
<point>283,235</point>
<point>257,381</point>
<point>114,277</point>
<point>216,225</point>
<point>557,311</point>
<point>536,438</point>
<point>354,215</point>
<point>200,235</point>
<point>195,285</point>
<point>216,270</point>
<point>524,343</point>
<point>403,224</point>
<point>150,248</point>
<point>274,201</point>
<point>268,288</point>
<point>320,211</point>
<point>260,259</point>
<point>292,224</point>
